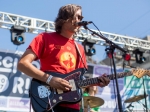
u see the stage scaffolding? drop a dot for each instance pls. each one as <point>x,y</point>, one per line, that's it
<point>34,25</point>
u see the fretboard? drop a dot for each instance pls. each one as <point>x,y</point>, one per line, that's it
<point>91,81</point>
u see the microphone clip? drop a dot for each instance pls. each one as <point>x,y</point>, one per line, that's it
<point>83,23</point>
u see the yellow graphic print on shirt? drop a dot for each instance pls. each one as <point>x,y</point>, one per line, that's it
<point>68,60</point>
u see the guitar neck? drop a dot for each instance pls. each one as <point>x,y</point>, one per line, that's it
<point>91,81</point>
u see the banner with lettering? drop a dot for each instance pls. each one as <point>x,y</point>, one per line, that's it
<point>14,85</point>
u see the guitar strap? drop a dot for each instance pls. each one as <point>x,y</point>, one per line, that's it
<point>77,48</point>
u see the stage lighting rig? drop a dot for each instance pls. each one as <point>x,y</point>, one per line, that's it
<point>89,47</point>
<point>17,34</point>
<point>139,56</point>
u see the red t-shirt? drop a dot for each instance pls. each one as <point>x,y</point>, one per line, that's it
<point>57,54</point>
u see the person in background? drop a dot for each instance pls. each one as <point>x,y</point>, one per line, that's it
<point>57,53</point>
<point>90,91</point>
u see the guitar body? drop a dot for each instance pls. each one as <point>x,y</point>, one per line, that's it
<point>44,98</point>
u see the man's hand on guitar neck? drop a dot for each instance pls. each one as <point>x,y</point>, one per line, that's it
<point>60,83</point>
<point>104,80</point>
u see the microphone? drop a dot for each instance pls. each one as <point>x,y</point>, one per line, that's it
<point>83,23</point>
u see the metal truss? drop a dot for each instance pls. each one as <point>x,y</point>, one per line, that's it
<point>36,26</point>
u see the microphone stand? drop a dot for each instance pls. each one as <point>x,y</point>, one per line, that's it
<point>144,108</point>
<point>130,105</point>
<point>112,48</point>
<point>145,96</point>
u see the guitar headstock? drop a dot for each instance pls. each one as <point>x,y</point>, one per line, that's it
<point>140,72</point>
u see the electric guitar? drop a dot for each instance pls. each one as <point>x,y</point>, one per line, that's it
<point>44,98</point>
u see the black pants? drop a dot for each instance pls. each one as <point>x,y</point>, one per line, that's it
<point>63,109</point>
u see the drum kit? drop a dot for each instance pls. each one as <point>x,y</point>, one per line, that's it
<point>134,99</point>
<point>92,102</point>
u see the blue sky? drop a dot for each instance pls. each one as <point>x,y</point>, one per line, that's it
<point>124,17</point>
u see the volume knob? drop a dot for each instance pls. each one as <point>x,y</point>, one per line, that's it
<point>60,98</point>
<point>75,98</point>
<point>54,101</point>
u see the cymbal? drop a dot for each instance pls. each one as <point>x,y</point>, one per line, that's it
<point>135,98</point>
<point>92,101</point>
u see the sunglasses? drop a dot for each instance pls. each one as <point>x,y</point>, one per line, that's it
<point>79,17</point>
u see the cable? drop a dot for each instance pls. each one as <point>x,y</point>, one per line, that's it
<point>97,29</point>
<point>111,68</point>
<point>144,32</point>
<point>134,21</point>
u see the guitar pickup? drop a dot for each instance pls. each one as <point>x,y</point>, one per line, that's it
<point>59,91</point>
<point>72,83</point>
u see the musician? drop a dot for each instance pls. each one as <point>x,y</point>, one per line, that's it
<point>57,53</point>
